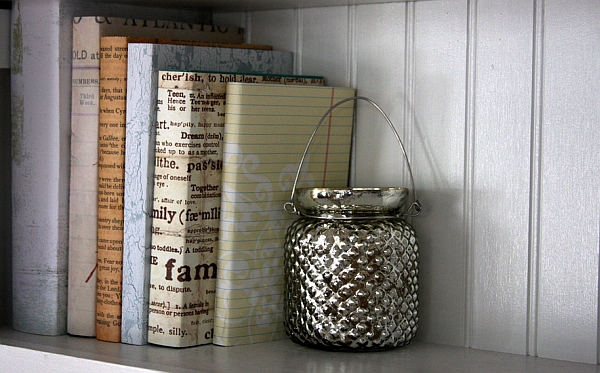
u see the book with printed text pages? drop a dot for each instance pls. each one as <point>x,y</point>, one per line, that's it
<point>83,191</point>
<point>41,81</point>
<point>111,182</point>
<point>144,62</point>
<point>186,201</point>
<point>267,128</point>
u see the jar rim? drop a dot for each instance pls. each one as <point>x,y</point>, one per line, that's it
<point>345,203</point>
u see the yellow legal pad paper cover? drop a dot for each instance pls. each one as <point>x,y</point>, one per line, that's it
<point>267,128</point>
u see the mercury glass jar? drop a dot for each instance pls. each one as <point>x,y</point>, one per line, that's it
<point>351,265</point>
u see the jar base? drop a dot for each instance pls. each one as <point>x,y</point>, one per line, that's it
<point>339,347</point>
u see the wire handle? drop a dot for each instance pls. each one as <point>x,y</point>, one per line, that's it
<point>415,207</point>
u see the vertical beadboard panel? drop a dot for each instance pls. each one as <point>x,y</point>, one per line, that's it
<point>317,36</point>
<point>281,31</point>
<point>535,172</point>
<point>380,76</point>
<point>238,19</point>
<point>501,176</point>
<point>568,295</point>
<point>323,46</point>
<point>471,76</point>
<point>277,28</point>
<point>503,142</point>
<point>438,165</point>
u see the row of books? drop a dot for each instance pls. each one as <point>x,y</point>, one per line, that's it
<point>184,151</point>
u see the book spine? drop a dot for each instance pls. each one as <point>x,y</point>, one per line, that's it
<point>111,175</point>
<point>83,205</point>
<point>5,160</point>
<point>40,111</point>
<point>139,168</point>
<point>5,36</point>
<point>186,212</point>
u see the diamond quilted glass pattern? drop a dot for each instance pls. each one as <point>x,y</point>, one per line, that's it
<point>351,284</point>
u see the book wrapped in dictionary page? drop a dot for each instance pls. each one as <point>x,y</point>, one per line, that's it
<point>144,62</point>
<point>187,201</point>
<point>266,131</point>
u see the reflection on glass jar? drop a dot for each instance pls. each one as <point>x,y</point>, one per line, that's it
<point>351,284</point>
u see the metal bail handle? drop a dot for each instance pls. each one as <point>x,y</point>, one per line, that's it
<point>415,207</point>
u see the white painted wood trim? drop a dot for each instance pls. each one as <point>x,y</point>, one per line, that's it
<point>64,354</point>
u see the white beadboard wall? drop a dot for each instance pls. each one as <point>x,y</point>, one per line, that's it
<point>498,103</point>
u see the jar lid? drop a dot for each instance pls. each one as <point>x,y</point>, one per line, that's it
<point>350,203</point>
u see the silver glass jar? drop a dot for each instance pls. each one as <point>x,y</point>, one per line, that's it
<point>351,266</point>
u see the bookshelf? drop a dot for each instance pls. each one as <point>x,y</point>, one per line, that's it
<point>68,354</point>
<point>497,102</point>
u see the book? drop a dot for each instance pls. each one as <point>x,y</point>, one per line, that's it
<point>111,182</point>
<point>5,157</point>
<point>40,167</point>
<point>267,128</point>
<point>187,199</point>
<point>87,31</point>
<point>144,62</point>
<point>5,38</point>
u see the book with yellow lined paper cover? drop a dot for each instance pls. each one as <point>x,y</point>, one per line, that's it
<point>267,128</point>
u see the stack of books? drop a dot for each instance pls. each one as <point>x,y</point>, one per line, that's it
<point>185,144</point>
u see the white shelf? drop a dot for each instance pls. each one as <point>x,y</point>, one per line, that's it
<point>30,353</point>
<point>493,269</point>
<point>246,5</point>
